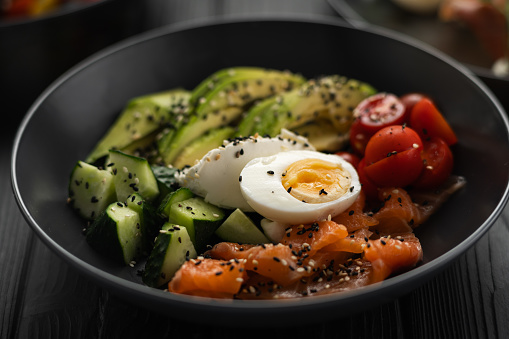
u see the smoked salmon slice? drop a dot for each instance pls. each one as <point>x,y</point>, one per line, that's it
<point>280,263</point>
<point>209,278</point>
<point>398,213</point>
<point>313,237</point>
<point>353,243</point>
<point>392,255</point>
<point>354,218</point>
<point>337,276</point>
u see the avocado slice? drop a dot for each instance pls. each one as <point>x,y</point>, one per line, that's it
<point>323,135</point>
<point>140,119</point>
<point>202,145</point>
<point>333,97</point>
<point>221,99</point>
<point>174,142</point>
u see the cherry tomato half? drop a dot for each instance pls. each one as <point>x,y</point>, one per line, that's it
<point>369,188</point>
<point>410,99</point>
<point>350,157</point>
<point>438,163</point>
<point>358,137</point>
<point>390,141</point>
<point>379,111</point>
<point>398,170</point>
<point>427,120</point>
<point>393,157</point>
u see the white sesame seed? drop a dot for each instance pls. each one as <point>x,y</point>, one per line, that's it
<point>239,280</point>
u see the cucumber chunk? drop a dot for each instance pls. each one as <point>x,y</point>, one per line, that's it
<point>116,233</point>
<point>180,194</point>
<point>132,175</point>
<point>90,190</point>
<point>238,227</point>
<point>150,220</point>
<point>199,217</point>
<point>172,248</point>
<point>166,181</point>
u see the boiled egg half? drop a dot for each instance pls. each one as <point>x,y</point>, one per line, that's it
<point>216,176</point>
<point>300,186</point>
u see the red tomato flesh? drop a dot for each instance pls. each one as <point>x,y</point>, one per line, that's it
<point>358,137</point>
<point>350,157</point>
<point>389,141</point>
<point>379,111</point>
<point>427,120</point>
<point>368,187</point>
<point>410,99</point>
<point>438,163</point>
<point>393,157</point>
<point>399,169</point>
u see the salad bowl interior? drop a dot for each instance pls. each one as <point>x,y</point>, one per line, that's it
<point>67,120</point>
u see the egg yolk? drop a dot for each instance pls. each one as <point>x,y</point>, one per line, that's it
<point>316,181</point>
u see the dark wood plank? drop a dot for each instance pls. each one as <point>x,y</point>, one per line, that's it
<point>15,237</point>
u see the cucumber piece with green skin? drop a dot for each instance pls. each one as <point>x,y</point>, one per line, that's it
<point>172,248</point>
<point>150,220</point>
<point>200,218</point>
<point>202,145</point>
<point>132,175</point>
<point>333,97</point>
<point>141,117</point>
<point>116,233</point>
<point>166,182</point>
<point>239,228</point>
<point>179,195</point>
<point>90,190</point>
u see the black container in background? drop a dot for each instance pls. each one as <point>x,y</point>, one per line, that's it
<point>34,52</point>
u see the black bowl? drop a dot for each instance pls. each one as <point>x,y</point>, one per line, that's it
<point>35,51</point>
<point>66,121</point>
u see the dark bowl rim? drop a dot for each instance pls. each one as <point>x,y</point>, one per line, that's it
<point>113,282</point>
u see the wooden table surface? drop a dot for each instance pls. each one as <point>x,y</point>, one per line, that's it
<point>41,296</point>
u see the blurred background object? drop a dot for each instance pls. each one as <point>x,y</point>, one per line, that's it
<point>474,32</point>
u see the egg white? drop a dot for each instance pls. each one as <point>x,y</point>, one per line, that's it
<point>263,190</point>
<point>216,176</point>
